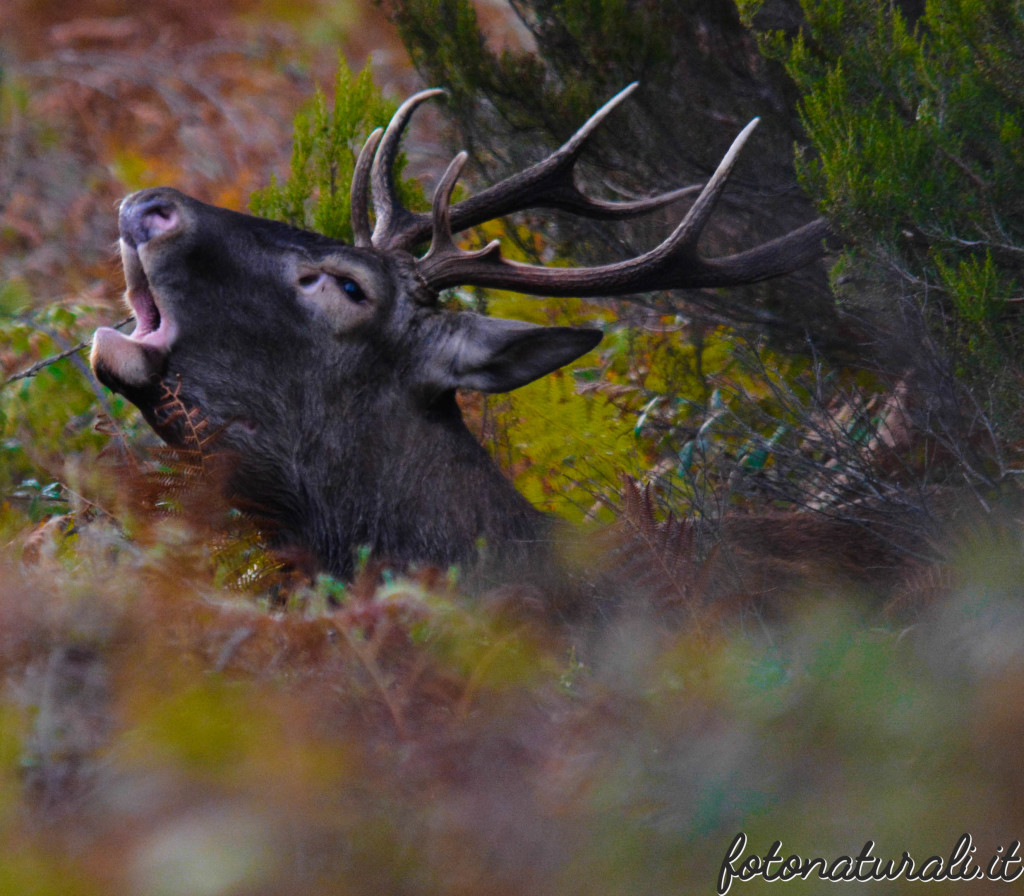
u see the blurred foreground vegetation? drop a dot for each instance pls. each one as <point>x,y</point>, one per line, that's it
<point>160,735</point>
<point>179,716</point>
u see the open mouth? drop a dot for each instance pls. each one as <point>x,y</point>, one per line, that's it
<point>147,314</point>
<point>152,327</point>
<point>135,361</point>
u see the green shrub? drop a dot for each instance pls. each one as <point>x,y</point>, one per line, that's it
<point>325,146</point>
<point>916,156</point>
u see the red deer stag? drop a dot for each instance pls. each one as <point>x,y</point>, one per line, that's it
<point>330,371</point>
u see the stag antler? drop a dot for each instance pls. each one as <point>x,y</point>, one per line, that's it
<point>550,184</point>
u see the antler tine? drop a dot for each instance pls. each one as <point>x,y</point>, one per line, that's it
<point>572,147</point>
<point>547,184</point>
<point>573,201</point>
<point>442,243</point>
<point>682,243</point>
<point>690,228</point>
<point>442,240</point>
<point>360,191</point>
<point>672,264</point>
<point>391,216</point>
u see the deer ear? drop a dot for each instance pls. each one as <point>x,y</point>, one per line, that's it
<point>490,354</point>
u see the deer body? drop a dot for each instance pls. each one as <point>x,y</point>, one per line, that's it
<point>329,371</point>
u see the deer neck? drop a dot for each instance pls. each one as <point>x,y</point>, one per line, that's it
<point>409,487</point>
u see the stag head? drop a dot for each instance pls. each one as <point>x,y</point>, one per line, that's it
<point>329,371</point>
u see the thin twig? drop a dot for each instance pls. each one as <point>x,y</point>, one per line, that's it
<point>53,359</point>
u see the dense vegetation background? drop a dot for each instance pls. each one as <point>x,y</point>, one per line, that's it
<point>178,716</point>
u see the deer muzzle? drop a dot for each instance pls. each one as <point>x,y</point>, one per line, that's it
<point>135,361</point>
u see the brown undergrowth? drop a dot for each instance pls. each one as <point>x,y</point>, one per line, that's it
<point>168,728</point>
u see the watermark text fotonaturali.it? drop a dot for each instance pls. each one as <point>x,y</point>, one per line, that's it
<point>1004,865</point>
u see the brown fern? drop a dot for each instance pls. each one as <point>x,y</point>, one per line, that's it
<point>659,558</point>
<point>189,481</point>
<point>193,435</point>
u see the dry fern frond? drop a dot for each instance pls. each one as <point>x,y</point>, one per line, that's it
<point>659,559</point>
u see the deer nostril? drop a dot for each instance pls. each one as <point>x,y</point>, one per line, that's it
<point>142,221</point>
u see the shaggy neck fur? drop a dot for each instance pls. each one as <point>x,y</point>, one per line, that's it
<point>412,486</point>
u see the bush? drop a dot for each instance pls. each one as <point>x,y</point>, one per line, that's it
<point>915,156</point>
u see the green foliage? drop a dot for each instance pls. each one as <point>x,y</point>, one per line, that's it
<point>584,49</point>
<point>681,406</point>
<point>567,449</point>
<point>13,98</point>
<point>49,435</point>
<point>325,146</point>
<point>917,158</point>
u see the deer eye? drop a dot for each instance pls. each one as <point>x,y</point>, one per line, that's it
<point>353,290</point>
<point>311,282</point>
